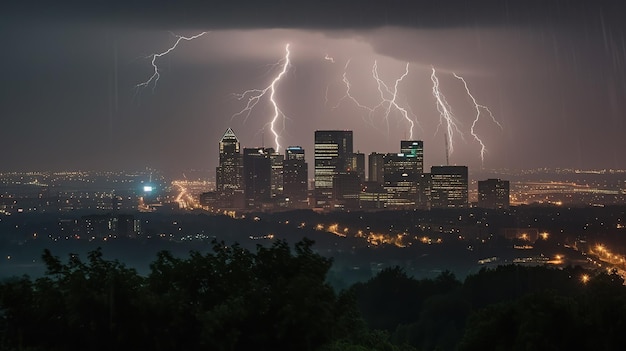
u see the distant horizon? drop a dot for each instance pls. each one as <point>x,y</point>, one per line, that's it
<point>503,171</point>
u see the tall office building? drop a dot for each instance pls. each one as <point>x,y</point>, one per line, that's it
<point>357,164</point>
<point>448,187</point>
<point>402,173</point>
<point>375,167</point>
<point>295,153</point>
<point>401,176</point>
<point>228,175</point>
<point>493,193</point>
<point>423,191</point>
<point>295,173</point>
<point>346,190</point>
<point>373,196</point>
<point>257,175</point>
<point>277,174</point>
<point>414,149</point>
<point>333,150</point>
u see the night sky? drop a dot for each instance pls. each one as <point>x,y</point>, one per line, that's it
<point>552,72</point>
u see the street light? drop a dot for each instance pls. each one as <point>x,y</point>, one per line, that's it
<point>584,278</point>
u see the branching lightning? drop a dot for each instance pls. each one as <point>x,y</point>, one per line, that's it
<point>388,96</point>
<point>255,95</point>
<point>391,102</point>
<point>154,78</point>
<point>348,95</point>
<point>478,107</point>
<point>445,114</point>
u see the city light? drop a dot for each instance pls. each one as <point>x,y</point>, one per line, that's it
<point>584,278</point>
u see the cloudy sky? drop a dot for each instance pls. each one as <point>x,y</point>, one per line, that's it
<point>553,73</point>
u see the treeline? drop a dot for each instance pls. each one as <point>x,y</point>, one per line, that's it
<point>507,308</point>
<point>278,298</point>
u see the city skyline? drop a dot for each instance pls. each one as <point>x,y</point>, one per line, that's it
<point>269,180</point>
<point>553,76</point>
<point>313,175</point>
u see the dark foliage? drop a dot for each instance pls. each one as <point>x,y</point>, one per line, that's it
<point>278,298</point>
<point>228,299</point>
<point>507,308</point>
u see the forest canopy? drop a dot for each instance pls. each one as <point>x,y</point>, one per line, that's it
<point>278,297</point>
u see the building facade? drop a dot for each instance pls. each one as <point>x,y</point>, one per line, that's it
<point>448,187</point>
<point>414,149</point>
<point>257,175</point>
<point>375,167</point>
<point>346,190</point>
<point>401,175</point>
<point>333,153</point>
<point>357,164</point>
<point>277,161</point>
<point>493,193</point>
<point>228,174</point>
<point>295,173</point>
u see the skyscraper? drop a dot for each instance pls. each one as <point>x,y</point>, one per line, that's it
<point>414,149</point>
<point>401,175</point>
<point>373,196</point>
<point>333,150</point>
<point>423,191</point>
<point>346,190</point>
<point>357,164</point>
<point>449,186</point>
<point>493,193</point>
<point>295,153</point>
<point>375,167</point>
<point>277,174</point>
<point>295,173</point>
<point>228,175</point>
<point>257,175</point>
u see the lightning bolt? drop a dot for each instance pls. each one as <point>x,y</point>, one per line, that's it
<point>445,113</point>
<point>154,78</point>
<point>348,95</point>
<point>478,107</point>
<point>255,95</point>
<point>329,58</point>
<point>388,96</point>
<point>391,102</point>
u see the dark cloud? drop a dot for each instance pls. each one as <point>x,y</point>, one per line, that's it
<point>324,14</point>
<point>554,73</point>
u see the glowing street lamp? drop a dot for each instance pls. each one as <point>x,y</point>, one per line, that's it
<point>584,278</point>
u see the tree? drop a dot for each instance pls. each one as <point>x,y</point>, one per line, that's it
<point>234,299</point>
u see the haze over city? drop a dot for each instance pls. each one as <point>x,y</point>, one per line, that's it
<point>552,74</point>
